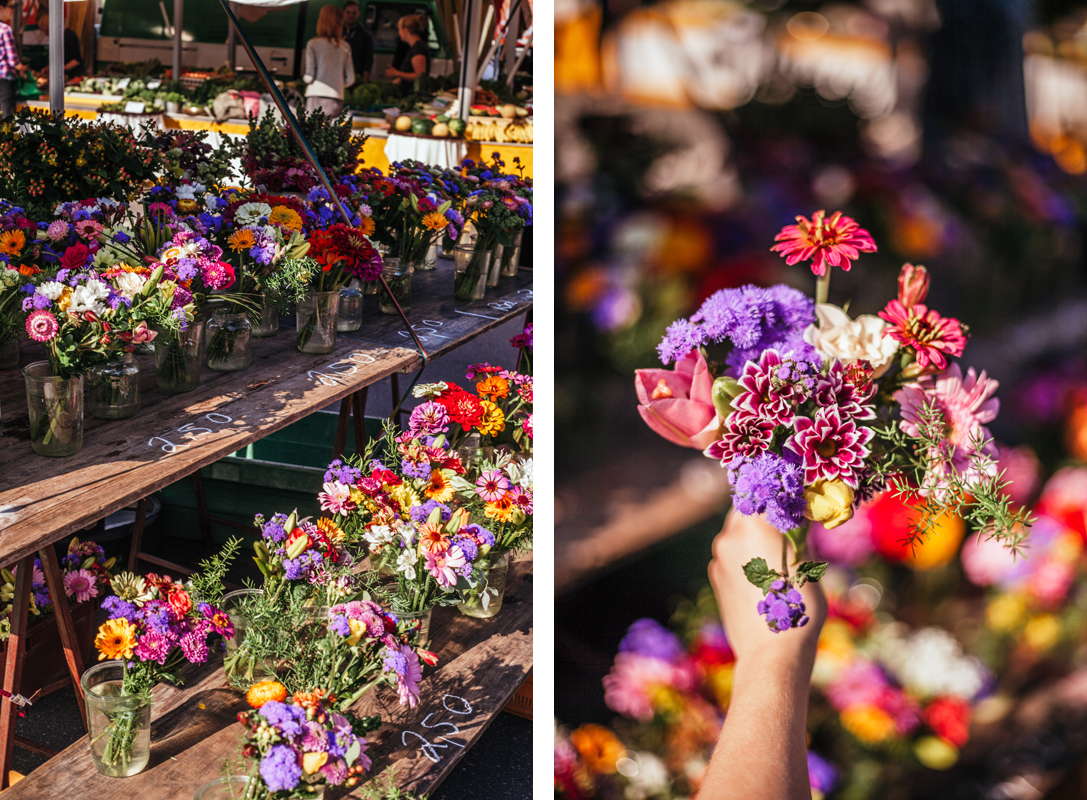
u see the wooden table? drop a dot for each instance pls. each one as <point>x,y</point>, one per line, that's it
<point>43,500</point>
<point>481,664</point>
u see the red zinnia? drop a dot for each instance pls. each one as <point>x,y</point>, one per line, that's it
<point>463,408</point>
<point>929,334</point>
<point>949,718</point>
<point>837,241</point>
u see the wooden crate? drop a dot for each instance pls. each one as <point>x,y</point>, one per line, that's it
<point>521,702</point>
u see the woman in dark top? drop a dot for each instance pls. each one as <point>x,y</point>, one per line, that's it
<point>416,60</point>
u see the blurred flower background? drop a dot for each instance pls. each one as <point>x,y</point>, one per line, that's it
<point>689,132</point>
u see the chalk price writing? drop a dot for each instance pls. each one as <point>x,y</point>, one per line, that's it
<point>525,292</point>
<point>190,431</point>
<point>427,330</point>
<point>502,305</point>
<point>347,366</point>
<point>430,749</point>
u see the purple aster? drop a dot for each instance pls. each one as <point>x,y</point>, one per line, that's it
<point>428,418</point>
<point>195,646</point>
<point>762,395</point>
<point>771,485</point>
<point>280,769</point>
<point>287,718</point>
<point>743,436</point>
<point>469,548</point>
<point>831,448</point>
<point>479,534</point>
<point>647,637</point>
<point>783,608</point>
<point>822,776</point>
<point>41,301</point>
<point>833,389</point>
<point>263,252</point>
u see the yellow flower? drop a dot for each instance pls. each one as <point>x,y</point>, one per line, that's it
<point>666,698</point>
<point>12,242</point>
<point>936,753</point>
<point>438,487</point>
<point>357,630</point>
<point>435,221</point>
<point>719,679</point>
<point>598,747</point>
<point>835,641</point>
<point>868,723</point>
<point>1042,632</point>
<point>241,240</point>
<point>186,205</point>
<point>285,217</point>
<point>65,299</point>
<point>405,497</point>
<point>311,762</point>
<point>940,546</point>
<point>1006,613</point>
<point>829,502</point>
<point>501,510</point>
<point>330,529</point>
<point>493,387</point>
<point>115,639</point>
<point>493,420</point>
<point>367,226</point>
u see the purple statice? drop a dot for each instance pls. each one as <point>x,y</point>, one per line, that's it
<point>822,776</point>
<point>771,485</point>
<point>120,609</point>
<point>339,472</point>
<point>273,529</point>
<point>751,318</point>
<point>288,718</point>
<point>783,607</point>
<point>340,625</point>
<point>427,419</point>
<point>279,768</point>
<point>647,637</point>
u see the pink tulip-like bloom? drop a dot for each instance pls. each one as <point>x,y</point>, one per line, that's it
<point>760,397</point>
<point>913,283</point>
<point>141,334</point>
<point>41,325</point>
<point>81,585</point>
<point>836,242</point>
<point>931,336</point>
<point>630,685</point>
<point>677,403</point>
<point>830,447</point>
<point>336,498</point>
<point>442,566</point>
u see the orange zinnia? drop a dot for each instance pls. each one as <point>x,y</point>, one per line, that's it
<point>493,387</point>
<point>501,510</point>
<point>286,217</point>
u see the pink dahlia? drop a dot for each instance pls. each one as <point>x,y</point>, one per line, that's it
<point>966,404</point>
<point>492,486</point>
<point>837,389</point>
<point>763,397</point>
<point>931,336</point>
<point>41,325</point>
<point>830,447</point>
<point>81,585</point>
<point>154,645</point>
<point>336,498</point>
<point>742,436</point>
<point>837,241</point>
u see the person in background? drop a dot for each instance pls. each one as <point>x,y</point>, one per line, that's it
<point>9,61</point>
<point>416,59</point>
<point>328,64</point>
<point>73,55</point>
<point>359,40</point>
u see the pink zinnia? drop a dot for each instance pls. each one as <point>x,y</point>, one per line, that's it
<point>442,566</point>
<point>41,325</point>
<point>81,585</point>
<point>931,336</point>
<point>837,241</point>
<point>492,486</point>
<point>743,436</point>
<point>633,677</point>
<point>336,498</point>
<point>522,499</point>
<point>527,426</point>
<point>217,274</point>
<point>760,397</point>
<point>830,447</point>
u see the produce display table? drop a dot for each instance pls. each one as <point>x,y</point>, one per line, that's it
<point>441,152</point>
<point>194,728</point>
<point>43,500</point>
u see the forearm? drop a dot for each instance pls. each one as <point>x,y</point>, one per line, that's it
<point>762,750</point>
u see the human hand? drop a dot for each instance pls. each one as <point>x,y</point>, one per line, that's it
<point>742,538</point>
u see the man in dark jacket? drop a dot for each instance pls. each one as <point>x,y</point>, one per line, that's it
<point>359,40</point>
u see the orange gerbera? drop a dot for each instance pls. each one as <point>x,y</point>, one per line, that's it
<point>435,221</point>
<point>493,387</point>
<point>12,242</point>
<point>330,529</point>
<point>501,510</point>
<point>241,240</point>
<point>432,540</point>
<point>438,487</point>
<point>285,217</point>
<point>115,639</point>
<point>367,226</point>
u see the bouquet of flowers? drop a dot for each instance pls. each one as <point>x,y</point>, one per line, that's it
<point>472,415</point>
<point>19,250</point>
<point>86,573</point>
<point>272,157</point>
<point>186,155</point>
<point>511,392</point>
<point>813,412</point>
<point>421,216</point>
<point>295,747</point>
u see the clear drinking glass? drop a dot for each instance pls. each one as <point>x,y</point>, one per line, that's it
<point>55,406</point>
<point>315,319</point>
<point>113,388</point>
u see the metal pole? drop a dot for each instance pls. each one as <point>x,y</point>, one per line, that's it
<point>467,89</point>
<point>232,43</point>
<point>56,56</point>
<point>17,27</point>
<point>513,33</point>
<point>500,30</point>
<point>178,14</point>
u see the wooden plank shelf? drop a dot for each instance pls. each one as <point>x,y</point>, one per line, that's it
<point>481,665</point>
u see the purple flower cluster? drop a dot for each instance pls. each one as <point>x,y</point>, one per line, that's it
<point>647,637</point>
<point>341,473</point>
<point>783,608</point>
<point>375,626</point>
<point>273,529</point>
<point>752,319</point>
<point>771,485</point>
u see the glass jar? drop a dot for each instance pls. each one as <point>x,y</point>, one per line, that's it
<point>415,624</point>
<point>485,600</point>
<point>397,275</point>
<point>384,562</point>
<point>511,257</point>
<point>265,321</point>
<point>349,317</point>
<point>113,388</point>
<point>496,266</point>
<point>178,358</point>
<point>9,353</point>
<point>473,454</point>
<point>315,319</point>
<point>118,726</point>
<point>430,262</point>
<point>232,787</point>
<point>471,267</point>
<point>446,248</point>
<point>55,406</point>
<point>230,341</point>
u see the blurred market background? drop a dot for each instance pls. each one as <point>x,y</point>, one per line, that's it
<point>689,132</point>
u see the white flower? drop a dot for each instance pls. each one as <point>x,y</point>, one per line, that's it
<point>51,289</point>
<point>648,776</point>
<point>429,389</point>
<point>521,473</point>
<point>211,202</point>
<point>379,535</point>
<point>129,284</point>
<point>186,192</point>
<point>848,340</point>
<point>250,213</point>
<point>405,564</point>
<point>930,662</point>
<point>90,296</point>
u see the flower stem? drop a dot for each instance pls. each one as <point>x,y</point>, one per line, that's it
<point>822,286</point>
<point>785,556</point>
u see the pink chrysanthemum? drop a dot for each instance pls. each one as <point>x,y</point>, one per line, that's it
<point>56,231</point>
<point>836,389</point>
<point>41,325</point>
<point>81,585</point>
<point>492,486</point>
<point>931,336</point>
<point>153,646</point>
<point>634,677</point>
<point>760,397</point>
<point>336,498</point>
<point>744,436</point>
<point>830,447</point>
<point>836,242</point>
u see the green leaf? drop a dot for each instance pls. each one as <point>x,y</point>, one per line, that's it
<point>759,573</point>
<point>353,752</point>
<point>812,570</point>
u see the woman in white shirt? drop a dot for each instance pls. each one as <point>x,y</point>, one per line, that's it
<point>328,64</point>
